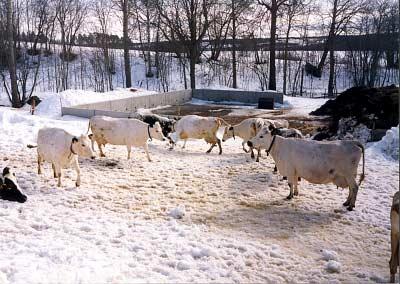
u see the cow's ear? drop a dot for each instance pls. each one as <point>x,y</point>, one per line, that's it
<point>275,131</point>
<point>6,171</point>
<point>271,127</point>
<point>74,140</point>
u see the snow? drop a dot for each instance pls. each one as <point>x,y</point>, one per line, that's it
<point>329,255</point>
<point>178,212</point>
<point>302,106</point>
<point>333,266</point>
<point>389,145</point>
<point>237,225</point>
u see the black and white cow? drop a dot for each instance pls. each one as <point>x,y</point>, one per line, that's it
<point>9,188</point>
<point>167,124</point>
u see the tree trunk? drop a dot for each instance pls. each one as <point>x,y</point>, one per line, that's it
<point>272,67</point>
<point>193,59</point>
<point>127,63</point>
<point>12,68</point>
<point>285,61</point>
<point>331,82</point>
<point>234,71</point>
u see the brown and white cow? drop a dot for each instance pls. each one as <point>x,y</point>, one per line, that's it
<point>394,236</point>
<point>123,131</point>
<point>246,130</point>
<point>61,149</point>
<point>316,161</point>
<point>198,127</point>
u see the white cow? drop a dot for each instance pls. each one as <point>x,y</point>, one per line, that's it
<point>123,131</point>
<point>246,130</point>
<point>61,149</point>
<point>316,161</point>
<point>198,127</point>
<point>277,123</point>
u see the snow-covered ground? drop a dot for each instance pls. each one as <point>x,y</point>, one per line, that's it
<point>186,216</point>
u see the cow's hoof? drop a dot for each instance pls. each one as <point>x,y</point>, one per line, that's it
<point>289,197</point>
<point>350,208</point>
<point>347,203</point>
<point>220,153</point>
<point>284,178</point>
<point>296,193</point>
<point>246,150</point>
<point>77,184</point>
<point>208,152</point>
<point>102,155</point>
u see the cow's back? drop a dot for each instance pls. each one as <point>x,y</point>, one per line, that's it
<point>119,131</point>
<point>197,127</point>
<point>319,162</point>
<point>53,143</point>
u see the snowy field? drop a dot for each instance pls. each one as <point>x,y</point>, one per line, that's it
<point>186,216</point>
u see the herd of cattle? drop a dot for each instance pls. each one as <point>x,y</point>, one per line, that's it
<point>295,157</point>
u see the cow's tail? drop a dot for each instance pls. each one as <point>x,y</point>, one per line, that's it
<point>88,128</point>
<point>362,176</point>
<point>30,146</point>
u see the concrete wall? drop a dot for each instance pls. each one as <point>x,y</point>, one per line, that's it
<point>235,95</point>
<point>125,108</point>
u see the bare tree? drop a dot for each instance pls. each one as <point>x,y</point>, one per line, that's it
<point>187,22</point>
<point>273,6</point>
<point>125,8</point>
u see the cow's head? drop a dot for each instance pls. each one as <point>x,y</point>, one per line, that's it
<point>263,138</point>
<point>81,146</point>
<point>156,132</point>
<point>168,126</point>
<point>228,133</point>
<point>9,188</point>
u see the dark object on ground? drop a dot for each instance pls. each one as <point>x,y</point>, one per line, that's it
<point>34,99</point>
<point>68,56</point>
<point>266,103</point>
<point>312,70</point>
<point>376,108</point>
<point>33,52</point>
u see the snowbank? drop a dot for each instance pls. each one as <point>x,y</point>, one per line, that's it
<point>389,145</point>
<point>52,102</point>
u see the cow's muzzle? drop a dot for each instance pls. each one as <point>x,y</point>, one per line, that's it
<point>93,157</point>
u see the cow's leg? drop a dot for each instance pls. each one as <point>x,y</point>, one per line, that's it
<point>101,150</point>
<point>353,187</point>
<point>258,155</point>
<point>78,173</point>
<point>146,149</point>
<point>59,174</point>
<point>39,163</point>
<point>219,146</point>
<point>347,202</point>
<point>290,196</point>
<point>295,186</point>
<point>129,148</point>
<point>394,259</point>
<point>184,144</point>
<point>212,146</point>
<point>54,170</point>
<point>92,141</point>
<point>244,148</point>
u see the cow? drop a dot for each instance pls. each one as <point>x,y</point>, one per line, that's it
<point>198,127</point>
<point>9,188</point>
<point>246,130</point>
<point>277,123</point>
<point>61,149</point>
<point>284,132</point>
<point>123,131</point>
<point>318,162</point>
<point>167,124</point>
<point>394,236</point>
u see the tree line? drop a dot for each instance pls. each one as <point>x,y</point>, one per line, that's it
<point>40,28</point>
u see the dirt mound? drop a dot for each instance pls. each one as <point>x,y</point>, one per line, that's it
<point>376,108</point>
